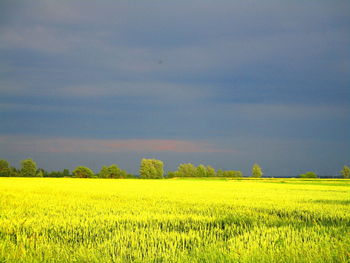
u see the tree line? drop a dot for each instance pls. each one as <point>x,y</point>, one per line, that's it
<point>149,169</point>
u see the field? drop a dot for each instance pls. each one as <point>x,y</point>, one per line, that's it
<point>175,220</point>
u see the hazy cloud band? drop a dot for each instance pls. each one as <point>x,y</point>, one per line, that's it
<point>75,145</point>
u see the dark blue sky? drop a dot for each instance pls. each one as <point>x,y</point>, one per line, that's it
<point>225,83</point>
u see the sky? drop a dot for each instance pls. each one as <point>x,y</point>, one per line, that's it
<point>221,83</point>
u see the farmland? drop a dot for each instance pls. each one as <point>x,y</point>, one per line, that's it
<point>175,220</point>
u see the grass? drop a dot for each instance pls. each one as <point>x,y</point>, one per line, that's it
<point>180,220</point>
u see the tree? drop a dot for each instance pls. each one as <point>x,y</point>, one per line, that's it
<point>14,172</point>
<point>220,173</point>
<point>39,173</point>
<point>83,172</point>
<point>308,175</point>
<point>54,174</point>
<point>232,173</point>
<point>104,173</point>
<point>66,173</point>
<point>201,171</point>
<point>28,168</point>
<point>151,169</point>
<point>116,172</point>
<point>4,168</point>
<point>112,171</point>
<point>238,174</point>
<point>210,171</point>
<point>256,171</point>
<point>130,176</point>
<point>186,170</point>
<point>43,172</point>
<point>171,174</point>
<point>345,172</point>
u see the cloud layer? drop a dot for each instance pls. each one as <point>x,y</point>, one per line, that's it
<point>75,145</point>
<point>174,77</point>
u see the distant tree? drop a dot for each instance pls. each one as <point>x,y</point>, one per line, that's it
<point>112,171</point>
<point>4,168</point>
<point>201,171</point>
<point>43,172</point>
<point>171,174</point>
<point>151,169</point>
<point>39,173</point>
<point>232,173</point>
<point>186,170</point>
<point>130,176</point>
<point>345,172</point>
<point>119,173</point>
<point>28,168</point>
<point>104,172</point>
<point>256,171</point>
<point>124,174</point>
<point>308,175</point>
<point>66,173</point>
<point>54,174</point>
<point>83,172</point>
<point>14,172</point>
<point>227,174</point>
<point>220,173</point>
<point>210,171</point>
<point>189,170</point>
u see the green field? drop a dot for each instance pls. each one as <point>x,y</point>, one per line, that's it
<point>178,220</point>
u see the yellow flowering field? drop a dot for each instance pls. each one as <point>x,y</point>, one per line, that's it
<point>174,220</point>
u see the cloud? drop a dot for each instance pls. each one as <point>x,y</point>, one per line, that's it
<point>75,145</point>
<point>159,90</point>
<point>177,71</point>
<point>93,49</point>
<point>131,92</point>
<point>289,112</point>
<point>38,38</point>
<point>208,36</point>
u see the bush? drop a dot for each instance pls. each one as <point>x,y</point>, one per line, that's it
<point>308,175</point>
<point>112,171</point>
<point>83,172</point>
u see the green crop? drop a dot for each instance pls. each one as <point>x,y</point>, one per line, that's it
<point>179,220</point>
